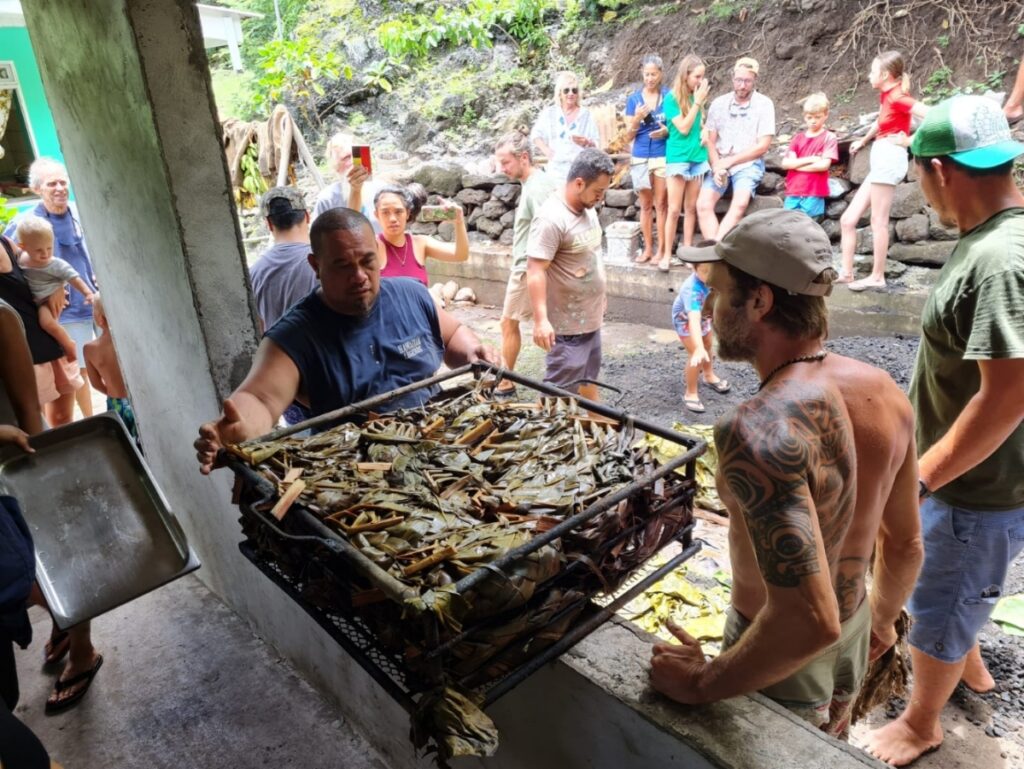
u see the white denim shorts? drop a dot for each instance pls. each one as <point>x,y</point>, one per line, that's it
<point>889,163</point>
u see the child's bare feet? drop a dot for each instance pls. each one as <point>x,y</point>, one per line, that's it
<point>644,258</point>
<point>865,283</point>
<point>976,676</point>
<point>898,744</point>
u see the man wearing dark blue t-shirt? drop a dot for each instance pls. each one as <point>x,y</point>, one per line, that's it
<point>356,336</point>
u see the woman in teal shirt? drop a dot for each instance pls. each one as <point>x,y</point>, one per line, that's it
<point>686,157</point>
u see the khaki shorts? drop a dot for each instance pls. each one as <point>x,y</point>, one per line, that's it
<point>823,691</point>
<point>56,378</point>
<point>517,299</point>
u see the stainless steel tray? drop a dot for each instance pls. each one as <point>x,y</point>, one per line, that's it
<point>103,531</point>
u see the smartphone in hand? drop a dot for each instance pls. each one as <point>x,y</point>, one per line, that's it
<point>361,157</point>
<point>441,213</point>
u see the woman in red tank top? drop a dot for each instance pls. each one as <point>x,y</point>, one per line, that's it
<point>891,131</point>
<point>403,254</point>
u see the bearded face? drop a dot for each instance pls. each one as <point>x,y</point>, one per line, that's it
<point>732,328</point>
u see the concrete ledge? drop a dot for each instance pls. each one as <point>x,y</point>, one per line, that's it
<point>645,295</point>
<point>750,731</point>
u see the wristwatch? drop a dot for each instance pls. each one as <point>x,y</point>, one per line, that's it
<point>923,492</point>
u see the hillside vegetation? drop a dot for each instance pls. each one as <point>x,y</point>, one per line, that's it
<point>445,78</point>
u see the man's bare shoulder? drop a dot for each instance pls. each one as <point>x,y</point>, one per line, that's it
<point>781,424</point>
<point>861,382</point>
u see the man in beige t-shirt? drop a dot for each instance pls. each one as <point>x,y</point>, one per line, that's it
<point>565,275</point>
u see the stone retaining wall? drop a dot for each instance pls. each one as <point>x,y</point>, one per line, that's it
<point>915,234</point>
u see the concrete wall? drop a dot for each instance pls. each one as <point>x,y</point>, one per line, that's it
<point>643,295</point>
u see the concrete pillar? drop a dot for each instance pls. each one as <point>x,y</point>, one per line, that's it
<point>128,84</point>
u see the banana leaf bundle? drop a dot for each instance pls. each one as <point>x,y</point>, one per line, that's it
<point>433,494</point>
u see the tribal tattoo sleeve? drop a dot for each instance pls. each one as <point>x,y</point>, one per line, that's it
<point>786,456</point>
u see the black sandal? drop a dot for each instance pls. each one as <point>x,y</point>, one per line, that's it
<point>57,705</point>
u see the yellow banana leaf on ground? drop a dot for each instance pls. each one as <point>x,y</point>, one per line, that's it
<point>707,464</point>
<point>691,597</point>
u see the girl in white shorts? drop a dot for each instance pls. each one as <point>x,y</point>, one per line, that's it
<point>891,131</point>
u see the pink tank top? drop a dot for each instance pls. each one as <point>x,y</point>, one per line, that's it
<point>402,261</point>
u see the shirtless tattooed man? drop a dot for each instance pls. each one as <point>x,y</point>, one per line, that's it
<point>817,470</point>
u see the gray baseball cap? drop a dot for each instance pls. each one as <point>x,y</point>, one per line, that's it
<point>292,197</point>
<point>785,248</point>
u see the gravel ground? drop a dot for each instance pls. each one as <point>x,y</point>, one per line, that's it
<point>647,364</point>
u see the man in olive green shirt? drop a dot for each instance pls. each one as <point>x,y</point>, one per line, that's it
<point>515,158</point>
<point>968,394</point>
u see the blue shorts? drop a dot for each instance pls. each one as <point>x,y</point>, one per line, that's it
<point>688,171</point>
<point>681,320</point>
<point>746,178</point>
<point>81,331</point>
<point>811,205</point>
<point>966,556</point>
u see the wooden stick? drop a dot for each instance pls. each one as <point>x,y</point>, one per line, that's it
<point>373,467</point>
<point>287,499</point>
<point>306,156</point>
<point>436,424</point>
<point>379,525</point>
<point>291,476</point>
<point>441,555</point>
<point>476,433</point>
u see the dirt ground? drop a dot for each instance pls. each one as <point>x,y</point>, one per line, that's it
<point>646,364</point>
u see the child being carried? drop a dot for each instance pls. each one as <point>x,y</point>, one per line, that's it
<point>47,274</point>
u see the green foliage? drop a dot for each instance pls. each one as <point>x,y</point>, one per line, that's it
<point>504,79</point>
<point>723,10</point>
<point>940,84</point>
<point>607,10</point>
<point>260,31</point>
<point>295,67</point>
<point>942,41</point>
<point>356,119</point>
<point>234,94</point>
<point>7,213</point>
<point>381,75</point>
<point>415,35</point>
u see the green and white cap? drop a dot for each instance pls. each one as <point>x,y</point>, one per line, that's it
<point>970,129</point>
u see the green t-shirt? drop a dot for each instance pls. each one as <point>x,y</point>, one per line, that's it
<point>536,189</point>
<point>973,313</point>
<point>683,148</point>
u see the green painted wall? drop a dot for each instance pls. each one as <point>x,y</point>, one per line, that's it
<point>15,46</point>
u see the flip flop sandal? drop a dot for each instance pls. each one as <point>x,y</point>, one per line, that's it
<point>502,395</point>
<point>56,648</point>
<point>57,705</point>
<point>722,386</point>
<point>664,265</point>
<point>694,405</point>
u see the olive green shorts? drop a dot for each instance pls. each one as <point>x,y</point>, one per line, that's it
<point>824,690</point>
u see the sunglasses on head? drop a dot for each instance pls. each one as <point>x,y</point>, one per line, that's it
<point>570,90</point>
